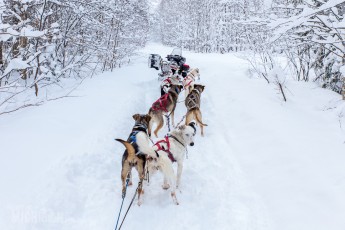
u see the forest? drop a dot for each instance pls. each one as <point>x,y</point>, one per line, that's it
<point>47,47</point>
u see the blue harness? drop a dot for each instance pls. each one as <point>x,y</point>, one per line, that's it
<point>133,137</point>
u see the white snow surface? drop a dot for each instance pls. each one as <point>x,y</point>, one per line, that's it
<point>263,163</point>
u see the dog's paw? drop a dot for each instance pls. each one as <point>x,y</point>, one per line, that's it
<point>130,183</point>
<point>165,186</point>
<point>173,195</point>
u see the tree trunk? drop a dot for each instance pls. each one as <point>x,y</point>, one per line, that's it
<point>1,60</point>
<point>343,89</point>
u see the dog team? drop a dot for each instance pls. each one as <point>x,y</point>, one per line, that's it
<point>160,156</point>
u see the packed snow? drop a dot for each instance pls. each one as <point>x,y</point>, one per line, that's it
<point>263,163</point>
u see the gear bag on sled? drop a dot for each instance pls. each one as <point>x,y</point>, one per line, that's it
<point>154,61</point>
<point>176,56</point>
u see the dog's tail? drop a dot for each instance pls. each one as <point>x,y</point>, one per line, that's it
<point>129,147</point>
<point>198,116</point>
<point>150,112</point>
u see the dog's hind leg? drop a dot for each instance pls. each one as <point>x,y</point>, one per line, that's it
<point>130,178</point>
<point>198,117</point>
<point>159,126</point>
<point>169,175</point>
<point>168,172</point>
<point>173,195</point>
<point>126,169</point>
<point>141,174</point>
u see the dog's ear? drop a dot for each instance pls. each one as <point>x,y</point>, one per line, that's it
<point>197,86</point>
<point>136,116</point>
<point>197,70</point>
<point>192,124</point>
<point>202,87</point>
<point>148,118</point>
<point>180,87</point>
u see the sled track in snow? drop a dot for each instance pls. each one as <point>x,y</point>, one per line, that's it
<point>85,189</point>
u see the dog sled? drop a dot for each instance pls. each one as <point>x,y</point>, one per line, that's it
<point>176,56</point>
<point>174,62</point>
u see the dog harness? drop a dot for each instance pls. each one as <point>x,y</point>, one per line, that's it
<point>191,103</point>
<point>161,103</point>
<point>161,147</point>
<point>188,80</point>
<point>166,81</point>
<point>132,139</point>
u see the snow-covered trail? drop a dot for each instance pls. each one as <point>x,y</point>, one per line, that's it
<point>262,164</point>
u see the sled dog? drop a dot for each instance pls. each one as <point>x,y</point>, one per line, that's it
<point>137,148</point>
<point>172,149</point>
<point>167,82</point>
<point>192,103</point>
<point>165,105</point>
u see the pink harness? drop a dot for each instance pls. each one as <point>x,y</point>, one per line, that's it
<point>188,80</point>
<point>166,81</point>
<point>160,147</point>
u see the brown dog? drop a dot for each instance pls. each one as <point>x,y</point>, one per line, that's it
<point>137,147</point>
<point>193,106</point>
<point>165,105</point>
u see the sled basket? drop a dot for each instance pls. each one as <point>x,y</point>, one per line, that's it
<point>176,58</point>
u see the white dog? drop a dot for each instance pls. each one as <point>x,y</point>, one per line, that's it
<point>172,149</point>
<point>188,81</point>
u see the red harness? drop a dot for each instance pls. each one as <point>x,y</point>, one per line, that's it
<point>160,147</point>
<point>161,103</point>
<point>167,81</point>
<point>188,80</point>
